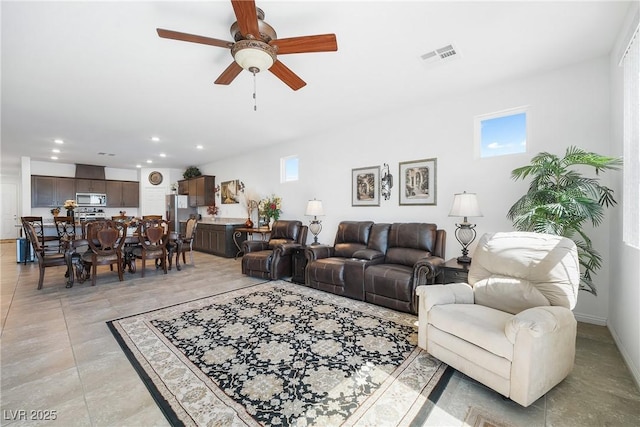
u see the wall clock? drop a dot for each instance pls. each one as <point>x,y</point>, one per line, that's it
<point>155,178</point>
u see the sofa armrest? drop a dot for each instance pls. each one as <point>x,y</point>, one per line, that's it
<point>544,346</point>
<point>315,252</point>
<point>286,248</point>
<point>254,246</point>
<point>368,254</point>
<point>427,267</point>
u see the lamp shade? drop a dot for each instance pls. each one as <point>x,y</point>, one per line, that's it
<point>314,208</point>
<point>464,205</point>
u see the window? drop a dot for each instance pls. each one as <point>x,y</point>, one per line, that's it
<point>502,133</point>
<point>631,171</point>
<point>289,169</point>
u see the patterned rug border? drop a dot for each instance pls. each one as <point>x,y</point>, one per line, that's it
<point>174,412</point>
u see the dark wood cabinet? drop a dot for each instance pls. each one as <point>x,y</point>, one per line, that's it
<point>91,186</point>
<point>201,190</point>
<point>217,239</point>
<point>123,194</point>
<point>183,187</point>
<point>299,264</point>
<point>454,272</point>
<point>50,191</point>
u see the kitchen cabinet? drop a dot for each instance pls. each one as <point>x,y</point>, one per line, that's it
<point>91,186</point>
<point>50,191</point>
<point>122,194</point>
<point>217,239</point>
<point>201,190</point>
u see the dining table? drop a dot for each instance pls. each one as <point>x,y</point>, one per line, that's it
<point>76,269</point>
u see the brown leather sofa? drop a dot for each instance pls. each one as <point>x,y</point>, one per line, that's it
<point>272,259</point>
<point>378,263</point>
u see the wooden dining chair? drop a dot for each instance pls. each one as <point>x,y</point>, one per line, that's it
<point>49,243</point>
<point>188,238</point>
<point>45,258</point>
<point>105,240</point>
<point>153,235</point>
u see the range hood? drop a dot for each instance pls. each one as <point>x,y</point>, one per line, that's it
<point>90,172</point>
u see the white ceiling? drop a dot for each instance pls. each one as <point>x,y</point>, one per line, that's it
<point>97,75</point>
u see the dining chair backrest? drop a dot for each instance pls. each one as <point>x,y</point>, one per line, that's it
<point>66,227</point>
<point>32,234</point>
<point>190,230</point>
<point>38,227</point>
<point>153,233</point>
<point>152,217</point>
<point>106,237</point>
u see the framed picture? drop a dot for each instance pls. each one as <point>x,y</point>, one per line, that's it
<point>365,186</point>
<point>229,192</point>
<point>418,182</point>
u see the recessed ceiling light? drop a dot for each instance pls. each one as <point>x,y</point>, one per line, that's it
<point>55,150</point>
<point>138,166</point>
<point>149,161</point>
<point>58,141</point>
<point>155,139</point>
<point>54,157</point>
<point>199,147</point>
<point>163,155</point>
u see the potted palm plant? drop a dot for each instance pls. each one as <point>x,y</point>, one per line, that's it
<point>560,200</point>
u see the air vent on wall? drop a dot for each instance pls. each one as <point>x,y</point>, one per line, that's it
<point>444,54</point>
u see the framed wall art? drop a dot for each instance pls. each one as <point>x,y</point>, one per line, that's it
<point>365,186</point>
<point>418,182</point>
<point>229,192</point>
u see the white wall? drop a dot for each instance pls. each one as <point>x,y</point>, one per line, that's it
<point>561,113</point>
<point>624,298</point>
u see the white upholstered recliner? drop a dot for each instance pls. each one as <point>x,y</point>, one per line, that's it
<point>511,328</point>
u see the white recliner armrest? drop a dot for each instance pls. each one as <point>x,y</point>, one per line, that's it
<point>543,350</point>
<point>430,295</point>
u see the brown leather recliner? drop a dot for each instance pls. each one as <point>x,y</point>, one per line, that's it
<point>272,259</point>
<point>414,252</point>
<point>340,268</point>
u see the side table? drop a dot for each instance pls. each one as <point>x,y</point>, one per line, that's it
<point>298,265</point>
<point>454,272</point>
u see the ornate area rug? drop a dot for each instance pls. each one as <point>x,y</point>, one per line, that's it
<point>281,354</point>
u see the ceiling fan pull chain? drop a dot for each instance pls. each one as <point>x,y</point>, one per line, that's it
<point>255,102</point>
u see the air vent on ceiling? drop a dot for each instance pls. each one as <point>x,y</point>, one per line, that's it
<point>444,54</point>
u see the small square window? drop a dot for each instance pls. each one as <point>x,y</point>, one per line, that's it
<point>500,134</point>
<point>289,169</point>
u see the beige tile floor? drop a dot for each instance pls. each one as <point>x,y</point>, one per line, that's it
<point>57,354</point>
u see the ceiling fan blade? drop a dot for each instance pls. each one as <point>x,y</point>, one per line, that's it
<point>290,78</point>
<point>176,35</point>
<point>247,17</point>
<point>319,43</point>
<point>229,74</point>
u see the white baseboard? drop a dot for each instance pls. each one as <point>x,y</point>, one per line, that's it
<point>586,318</point>
<point>635,373</point>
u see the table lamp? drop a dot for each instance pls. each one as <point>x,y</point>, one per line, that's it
<point>314,209</point>
<point>465,205</point>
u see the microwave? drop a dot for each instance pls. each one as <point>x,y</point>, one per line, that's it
<point>91,199</point>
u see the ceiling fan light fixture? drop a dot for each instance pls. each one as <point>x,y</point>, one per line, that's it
<point>253,55</point>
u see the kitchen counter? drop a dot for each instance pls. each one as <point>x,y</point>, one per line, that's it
<point>216,236</point>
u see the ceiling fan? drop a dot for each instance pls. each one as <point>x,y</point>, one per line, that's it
<point>256,46</point>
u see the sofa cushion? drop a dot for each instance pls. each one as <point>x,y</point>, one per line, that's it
<point>508,294</point>
<point>389,280</point>
<point>404,256</point>
<point>352,236</point>
<point>477,324</point>
<point>328,270</point>
<point>347,250</point>
<point>277,242</point>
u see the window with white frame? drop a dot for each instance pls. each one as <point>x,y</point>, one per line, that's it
<point>631,172</point>
<point>501,133</point>
<point>289,169</point>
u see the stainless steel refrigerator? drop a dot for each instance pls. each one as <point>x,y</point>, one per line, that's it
<point>178,210</point>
